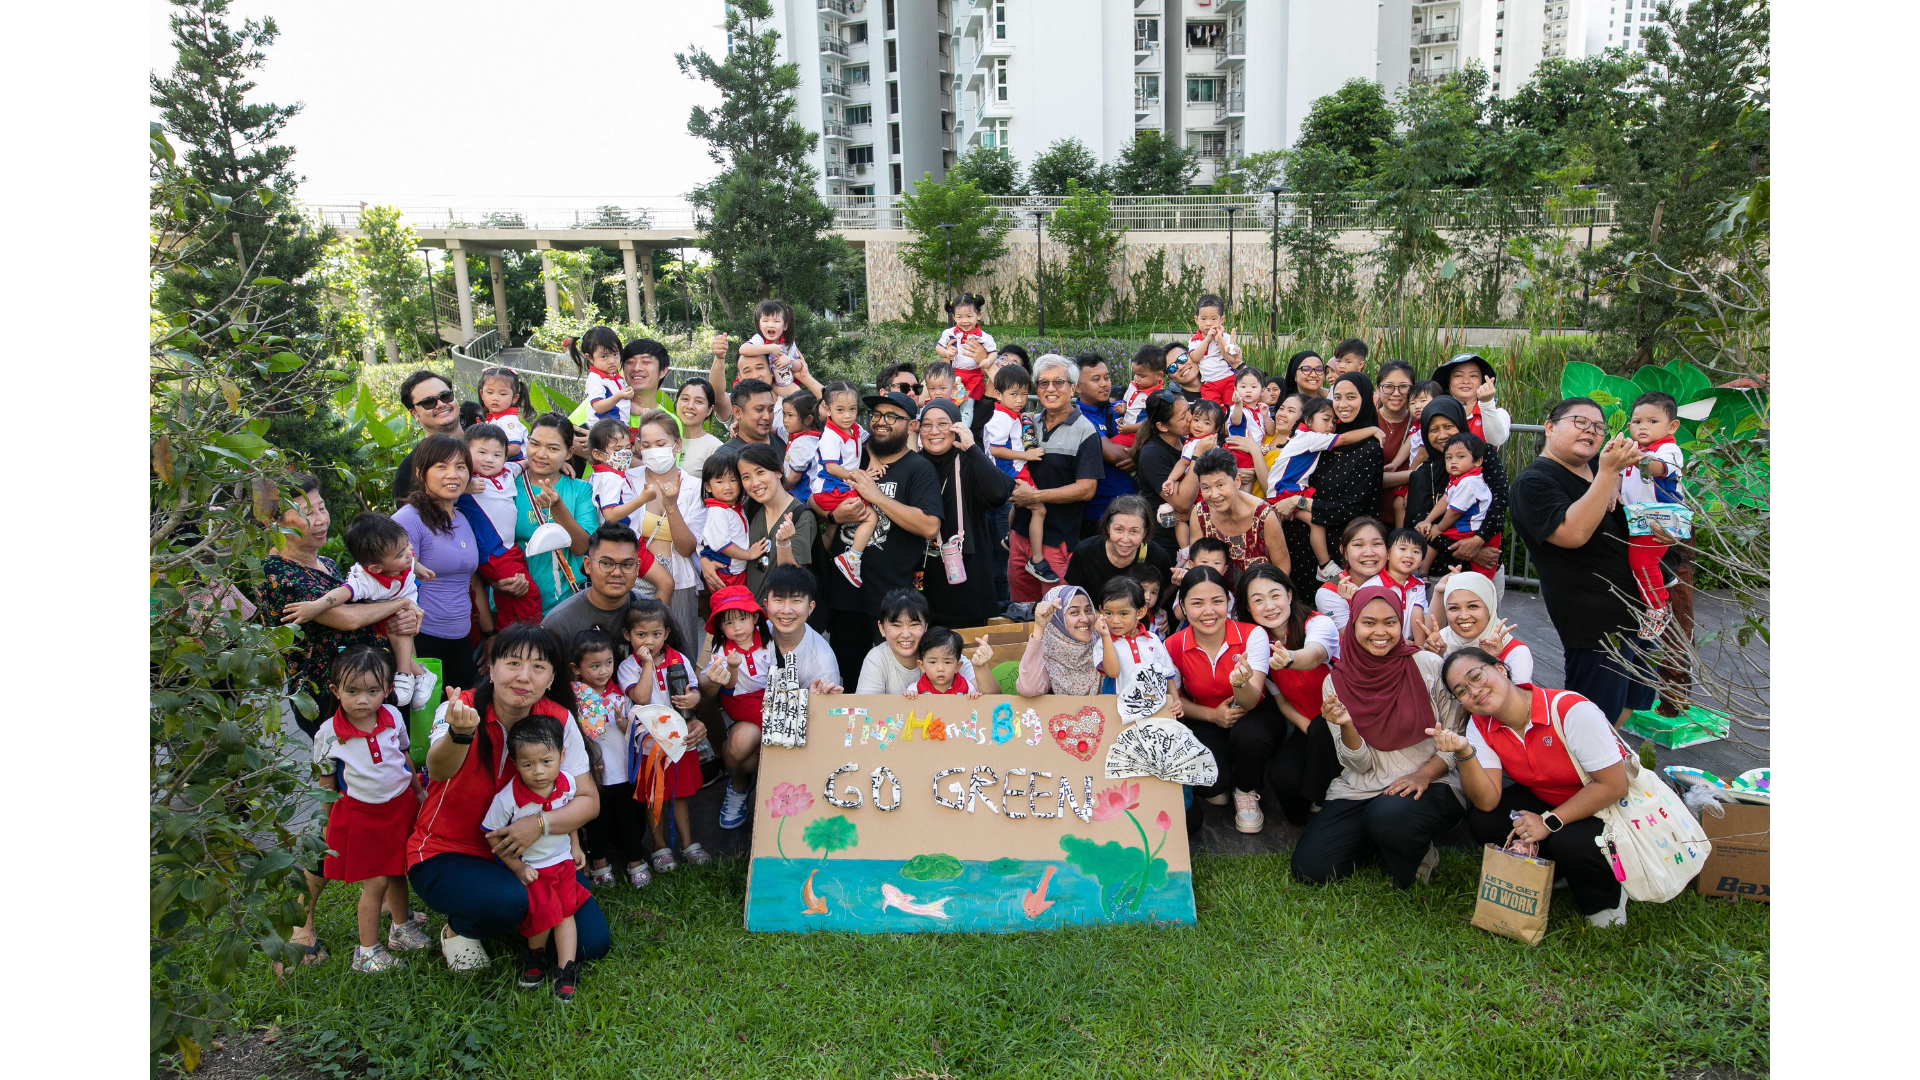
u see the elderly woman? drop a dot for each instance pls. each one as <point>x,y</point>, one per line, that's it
<point>1156,450</point>
<point>1217,684</point>
<point>1125,537</point>
<point>1442,419</point>
<point>443,542</point>
<point>1385,697</point>
<point>1566,763</point>
<point>773,513</point>
<point>545,494</point>
<point>1244,521</point>
<point>1063,654</point>
<point>1282,739</point>
<point>670,522</point>
<point>1472,619</point>
<point>970,485</point>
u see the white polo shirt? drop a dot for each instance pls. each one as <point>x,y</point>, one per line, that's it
<point>1319,631</point>
<point>373,768</point>
<point>516,801</point>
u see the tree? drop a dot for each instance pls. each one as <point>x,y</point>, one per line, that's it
<point>1322,271</point>
<point>228,146</point>
<point>1250,173</point>
<point>991,169</point>
<point>978,236</point>
<point>1706,138</point>
<point>1354,120</point>
<point>1067,161</point>
<point>1566,99</point>
<point>764,225</point>
<point>1441,129</point>
<point>1084,226</point>
<point>394,278</point>
<point>1153,164</point>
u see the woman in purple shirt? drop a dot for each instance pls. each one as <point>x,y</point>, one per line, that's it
<point>444,543</point>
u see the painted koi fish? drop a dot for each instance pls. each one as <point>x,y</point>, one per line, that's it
<point>892,897</point>
<point>1035,900</point>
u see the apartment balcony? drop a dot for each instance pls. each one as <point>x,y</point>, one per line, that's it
<point>975,24</point>
<point>976,80</point>
<point>1228,7</point>
<point>991,50</point>
<point>1143,103</point>
<point>1232,106</point>
<point>1232,51</point>
<point>1436,35</point>
<point>1144,50</point>
<point>835,130</point>
<point>834,8</point>
<point>836,171</point>
<point>1432,74</point>
<point>833,45</point>
<point>832,89</point>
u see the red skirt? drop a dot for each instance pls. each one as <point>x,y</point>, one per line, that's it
<point>369,839</point>
<point>553,898</point>
<point>743,708</point>
<point>1125,439</point>
<point>974,380</point>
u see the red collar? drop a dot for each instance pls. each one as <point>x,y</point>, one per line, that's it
<point>491,417</point>
<point>721,503</point>
<point>975,332</point>
<point>1133,642</point>
<point>1475,471</point>
<point>925,686</point>
<point>599,468</point>
<point>344,730</point>
<point>1664,440</point>
<point>525,796</point>
<point>1196,337</point>
<point>728,645</point>
<point>389,580</point>
<point>1003,409</point>
<point>853,435</point>
<point>614,379</point>
<point>499,480</point>
<point>668,658</point>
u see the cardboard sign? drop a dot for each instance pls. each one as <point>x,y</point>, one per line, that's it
<point>940,813</point>
<point>1739,863</point>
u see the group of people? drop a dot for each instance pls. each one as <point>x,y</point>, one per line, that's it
<point>1304,566</point>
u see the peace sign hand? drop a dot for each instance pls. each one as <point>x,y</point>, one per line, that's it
<point>1431,625</point>
<point>1490,640</point>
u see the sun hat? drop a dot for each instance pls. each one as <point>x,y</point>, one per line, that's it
<point>1445,371</point>
<point>731,598</point>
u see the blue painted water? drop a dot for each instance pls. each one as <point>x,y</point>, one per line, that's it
<point>978,900</point>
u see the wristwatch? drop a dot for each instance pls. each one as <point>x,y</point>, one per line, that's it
<point>1552,821</point>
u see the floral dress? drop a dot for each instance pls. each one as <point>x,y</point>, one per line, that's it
<point>289,582</point>
<point>1244,549</point>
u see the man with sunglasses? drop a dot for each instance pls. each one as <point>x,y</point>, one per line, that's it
<point>429,398</point>
<point>1564,507</point>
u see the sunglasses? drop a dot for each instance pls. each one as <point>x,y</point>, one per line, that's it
<point>444,397</point>
<point>907,388</point>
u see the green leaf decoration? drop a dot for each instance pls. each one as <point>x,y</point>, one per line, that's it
<point>830,834</point>
<point>1006,867</point>
<point>1580,380</point>
<point>932,868</point>
<point>1651,380</point>
<point>561,402</point>
<point>1693,382</point>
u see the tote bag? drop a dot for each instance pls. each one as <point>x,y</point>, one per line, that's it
<point>1651,838</point>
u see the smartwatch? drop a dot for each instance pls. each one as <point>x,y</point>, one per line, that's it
<point>1552,821</point>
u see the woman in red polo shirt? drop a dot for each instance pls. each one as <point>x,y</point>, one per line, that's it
<point>1395,795</point>
<point>1217,686</point>
<point>1511,733</point>
<point>1283,740</point>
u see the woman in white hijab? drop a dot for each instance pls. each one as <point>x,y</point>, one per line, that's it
<point>1467,601</point>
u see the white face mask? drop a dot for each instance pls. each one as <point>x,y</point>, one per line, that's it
<point>657,458</point>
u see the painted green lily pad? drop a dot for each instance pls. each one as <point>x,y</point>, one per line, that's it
<point>932,868</point>
<point>1006,867</point>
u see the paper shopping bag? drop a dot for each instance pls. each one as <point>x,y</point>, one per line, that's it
<point>1514,892</point>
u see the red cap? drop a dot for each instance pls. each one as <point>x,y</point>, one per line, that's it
<point>731,598</point>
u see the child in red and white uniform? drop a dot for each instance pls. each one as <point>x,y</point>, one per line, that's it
<point>1149,374</point>
<point>644,677</point>
<point>941,651</point>
<point>1219,356</point>
<point>840,442</point>
<point>774,345</point>
<point>736,671</point>
<point>1465,507</point>
<point>1128,646</point>
<point>597,355</point>
<point>550,866</point>
<point>610,445</point>
<point>491,488</point>
<point>1005,436</point>
<point>601,710</point>
<point>1406,550</point>
<point>957,341</point>
<point>723,541</point>
<point>383,569</point>
<point>1656,479</point>
<point>502,397</point>
<point>365,748</point>
<point>1247,414</point>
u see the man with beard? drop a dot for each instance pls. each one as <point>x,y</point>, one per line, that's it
<point>906,495</point>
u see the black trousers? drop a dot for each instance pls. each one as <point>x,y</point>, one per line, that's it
<point>1252,742</point>
<point>1220,741</point>
<point>1302,769</point>
<point>1395,828</point>
<point>621,826</point>
<point>1572,849</point>
<point>457,667</point>
<point>852,634</point>
<point>1594,675</point>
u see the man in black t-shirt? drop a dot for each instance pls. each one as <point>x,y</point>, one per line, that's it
<point>907,498</point>
<point>1562,508</point>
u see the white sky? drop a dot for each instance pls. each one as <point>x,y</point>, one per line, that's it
<point>485,103</point>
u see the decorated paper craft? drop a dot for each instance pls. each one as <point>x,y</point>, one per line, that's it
<point>666,727</point>
<point>1002,724</point>
<point>783,714</point>
<point>1078,734</point>
<point>1031,721</point>
<point>1165,750</point>
<point>1147,695</point>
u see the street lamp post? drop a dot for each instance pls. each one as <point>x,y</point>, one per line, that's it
<point>686,289</point>
<point>1039,275</point>
<point>1275,328</point>
<point>1231,210</point>
<point>946,234</point>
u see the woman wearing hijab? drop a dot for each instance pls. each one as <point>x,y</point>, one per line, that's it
<point>1395,794</point>
<point>970,485</point>
<point>1346,483</point>
<point>1306,374</point>
<point>1471,613</point>
<point>1442,419</point>
<point>1063,655</point>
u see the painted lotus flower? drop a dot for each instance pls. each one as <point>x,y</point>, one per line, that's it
<point>1116,800</point>
<point>789,800</point>
<point>1163,821</point>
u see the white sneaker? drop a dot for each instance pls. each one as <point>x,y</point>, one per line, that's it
<point>1217,800</point>
<point>462,953</point>
<point>1424,873</point>
<point>849,564</point>
<point>1613,916</point>
<point>1329,572</point>
<point>1246,811</point>
<point>423,686</point>
<point>403,688</point>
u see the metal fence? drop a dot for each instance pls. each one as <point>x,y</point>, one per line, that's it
<point>1514,556</point>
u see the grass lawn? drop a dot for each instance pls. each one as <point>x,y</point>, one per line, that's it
<point>1278,979</point>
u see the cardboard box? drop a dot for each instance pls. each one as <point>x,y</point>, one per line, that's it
<point>1738,865</point>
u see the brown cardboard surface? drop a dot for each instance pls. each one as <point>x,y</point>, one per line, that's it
<point>1738,866</point>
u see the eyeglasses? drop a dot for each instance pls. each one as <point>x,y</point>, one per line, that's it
<point>1395,388</point>
<point>1581,423</point>
<point>1053,384</point>
<point>1319,369</point>
<point>608,566</point>
<point>444,397</point>
<point>1476,679</point>
<point>890,419</point>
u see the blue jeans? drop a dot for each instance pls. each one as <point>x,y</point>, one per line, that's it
<point>482,899</point>
<point>997,524</point>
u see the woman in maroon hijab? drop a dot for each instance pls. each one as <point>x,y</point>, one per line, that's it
<point>1395,794</point>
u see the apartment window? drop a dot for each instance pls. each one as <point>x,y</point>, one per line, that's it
<point>859,114</point>
<point>999,22</point>
<point>1204,35</point>
<point>889,6</point>
<point>857,33</point>
<point>1203,90</point>
<point>1000,79</point>
<point>1146,34</point>
<point>893,98</point>
<point>994,135</point>
<point>859,155</point>
<point>896,179</point>
<point>857,74</point>
<point>1146,88</point>
<point>893,139</point>
<point>893,57</point>
<point>1211,144</point>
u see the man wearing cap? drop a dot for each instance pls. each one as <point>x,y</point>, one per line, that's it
<point>906,496</point>
<point>615,561</point>
<point>1469,379</point>
<point>1065,478</point>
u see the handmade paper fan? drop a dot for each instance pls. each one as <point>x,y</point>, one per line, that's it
<point>1165,750</point>
<point>1147,695</point>
<point>666,727</point>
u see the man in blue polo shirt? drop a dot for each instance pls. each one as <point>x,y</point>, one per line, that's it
<point>1095,398</point>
